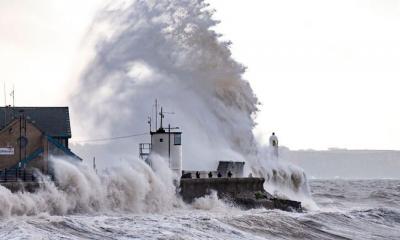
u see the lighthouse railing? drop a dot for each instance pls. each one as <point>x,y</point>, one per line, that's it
<point>144,150</point>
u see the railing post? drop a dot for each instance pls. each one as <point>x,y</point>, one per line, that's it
<point>24,175</point>
<point>5,175</point>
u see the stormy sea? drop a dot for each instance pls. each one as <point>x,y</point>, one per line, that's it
<point>347,209</point>
<point>168,49</point>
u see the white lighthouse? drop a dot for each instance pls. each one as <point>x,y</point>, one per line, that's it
<point>165,142</point>
<point>274,145</point>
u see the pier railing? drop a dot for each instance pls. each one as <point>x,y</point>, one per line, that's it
<point>15,175</point>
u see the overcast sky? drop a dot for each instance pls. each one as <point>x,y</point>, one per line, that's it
<point>326,72</point>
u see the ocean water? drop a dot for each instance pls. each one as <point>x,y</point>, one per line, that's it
<point>347,209</point>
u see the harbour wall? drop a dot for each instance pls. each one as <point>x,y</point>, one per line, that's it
<point>244,192</point>
<point>225,187</point>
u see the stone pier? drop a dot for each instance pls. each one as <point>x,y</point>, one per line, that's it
<point>244,192</point>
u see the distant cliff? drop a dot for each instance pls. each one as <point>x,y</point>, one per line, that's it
<point>343,163</point>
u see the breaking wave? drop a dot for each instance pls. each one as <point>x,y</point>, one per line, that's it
<point>283,179</point>
<point>129,187</point>
<point>211,202</point>
<point>357,215</point>
<point>168,50</point>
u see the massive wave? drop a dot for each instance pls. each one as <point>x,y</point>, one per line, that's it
<point>168,50</point>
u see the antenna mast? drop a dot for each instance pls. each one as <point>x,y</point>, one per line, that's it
<point>13,93</point>
<point>161,116</point>
<point>5,94</point>
<point>149,122</point>
<point>5,105</point>
<point>156,113</point>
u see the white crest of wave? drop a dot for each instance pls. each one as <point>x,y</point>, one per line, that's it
<point>211,202</point>
<point>129,187</point>
<point>283,180</point>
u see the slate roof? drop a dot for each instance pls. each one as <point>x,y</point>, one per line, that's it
<point>54,121</point>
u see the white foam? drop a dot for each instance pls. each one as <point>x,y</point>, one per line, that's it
<point>129,187</point>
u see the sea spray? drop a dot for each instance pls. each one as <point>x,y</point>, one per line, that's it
<point>168,50</point>
<point>211,202</point>
<point>130,187</point>
<point>282,179</point>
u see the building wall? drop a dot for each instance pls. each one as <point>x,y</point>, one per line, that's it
<point>9,138</point>
<point>167,146</point>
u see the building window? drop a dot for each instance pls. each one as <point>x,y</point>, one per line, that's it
<point>161,140</point>
<point>177,139</point>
